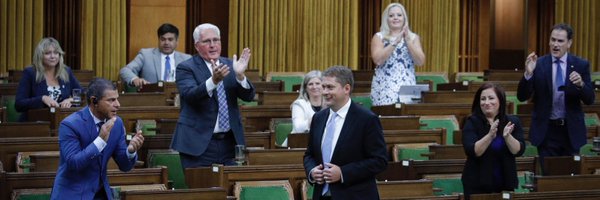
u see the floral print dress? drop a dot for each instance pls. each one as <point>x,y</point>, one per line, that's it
<point>397,70</point>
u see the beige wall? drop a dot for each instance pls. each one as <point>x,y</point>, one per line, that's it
<point>508,25</point>
<point>146,16</point>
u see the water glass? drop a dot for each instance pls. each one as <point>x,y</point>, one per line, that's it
<point>240,155</point>
<point>76,93</point>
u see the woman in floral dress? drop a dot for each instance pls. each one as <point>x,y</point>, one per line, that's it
<point>396,50</point>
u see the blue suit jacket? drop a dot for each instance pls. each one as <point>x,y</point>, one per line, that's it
<point>540,88</point>
<point>30,92</point>
<point>360,152</point>
<point>147,65</point>
<point>82,166</point>
<point>198,113</point>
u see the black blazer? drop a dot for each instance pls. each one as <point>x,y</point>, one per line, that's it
<point>477,175</point>
<point>360,152</point>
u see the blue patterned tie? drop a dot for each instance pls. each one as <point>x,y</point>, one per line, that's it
<point>560,81</point>
<point>167,69</point>
<point>99,125</point>
<point>326,148</point>
<point>223,114</point>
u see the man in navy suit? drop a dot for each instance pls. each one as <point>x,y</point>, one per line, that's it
<point>557,84</point>
<point>155,64</point>
<point>209,124</point>
<point>87,139</point>
<point>346,148</point>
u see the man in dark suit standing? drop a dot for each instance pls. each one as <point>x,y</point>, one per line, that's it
<point>346,148</point>
<point>87,139</point>
<point>558,83</point>
<point>209,124</point>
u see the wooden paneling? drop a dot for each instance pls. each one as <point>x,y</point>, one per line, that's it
<point>62,20</point>
<point>208,11</point>
<point>145,16</point>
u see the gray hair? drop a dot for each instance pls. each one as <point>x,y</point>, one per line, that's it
<point>203,27</point>
<point>342,74</point>
<point>309,76</point>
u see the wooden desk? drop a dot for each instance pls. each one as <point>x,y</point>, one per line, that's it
<point>129,115</point>
<point>257,118</point>
<point>275,156</point>
<point>180,194</point>
<point>226,176</point>
<point>13,180</point>
<point>25,129</point>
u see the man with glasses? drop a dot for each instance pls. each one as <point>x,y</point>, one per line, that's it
<point>209,124</point>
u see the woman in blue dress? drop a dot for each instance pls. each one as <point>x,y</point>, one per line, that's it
<point>396,51</point>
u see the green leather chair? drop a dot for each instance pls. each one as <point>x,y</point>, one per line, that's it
<point>170,159</point>
<point>263,190</point>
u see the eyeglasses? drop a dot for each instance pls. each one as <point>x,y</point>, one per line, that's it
<point>211,41</point>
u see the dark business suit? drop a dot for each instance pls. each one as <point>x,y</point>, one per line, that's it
<point>540,88</point>
<point>82,166</point>
<point>199,111</point>
<point>147,65</point>
<point>360,153</point>
<point>30,92</point>
<point>478,172</point>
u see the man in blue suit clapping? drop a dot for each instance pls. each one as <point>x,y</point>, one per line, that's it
<point>88,138</point>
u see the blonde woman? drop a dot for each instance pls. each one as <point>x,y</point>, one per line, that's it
<point>396,50</point>
<point>48,82</point>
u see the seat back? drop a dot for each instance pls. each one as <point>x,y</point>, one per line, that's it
<point>171,160</point>
<point>307,190</point>
<point>272,190</point>
<point>289,78</point>
<point>8,101</point>
<point>448,183</point>
<point>282,127</point>
<point>411,151</point>
<point>448,122</point>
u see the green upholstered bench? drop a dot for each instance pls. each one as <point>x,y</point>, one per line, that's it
<point>264,190</point>
<point>411,151</point>
<point>282,127</point>
<point>448,183</point>
<point>435,77</point>
<point>170,159</point>
<point>11,112</point>
<point>449,122</point>
<point>289,79</point>
<point>469,77</point>
<point>530,151</point>
<point>363,100</point>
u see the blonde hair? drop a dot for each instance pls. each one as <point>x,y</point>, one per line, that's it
<point>385,28</point>
<point>38,60</point>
